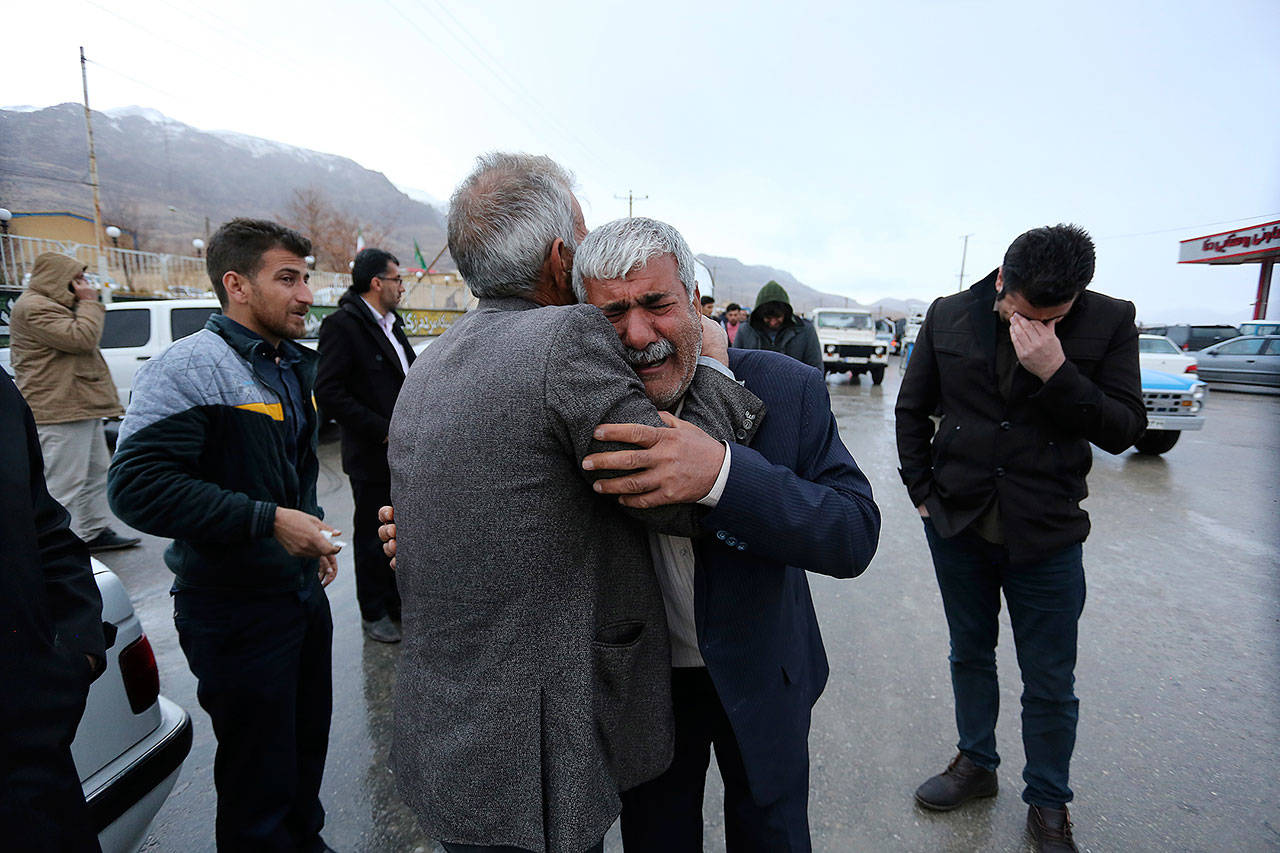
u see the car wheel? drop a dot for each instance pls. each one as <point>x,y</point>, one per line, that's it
<point>877,375</point>
<point>1155,442</point>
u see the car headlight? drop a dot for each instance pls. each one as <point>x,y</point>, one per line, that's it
<point>829,349</point>
<point>879,350</point>
<point>1198,391</point>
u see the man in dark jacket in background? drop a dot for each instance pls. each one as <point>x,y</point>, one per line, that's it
<point>364,356</point>
<point>51,648</point>
<point>1026,369</point>
<point>774,326</point>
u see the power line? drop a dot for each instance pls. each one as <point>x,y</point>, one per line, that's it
<point>134,80</point>
<point>1186,227</point>
<point>499,73</point>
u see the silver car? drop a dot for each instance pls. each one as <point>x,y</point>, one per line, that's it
<point>132,741</point>
<point>1248,360</point>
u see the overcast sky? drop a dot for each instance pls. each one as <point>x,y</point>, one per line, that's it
<point>850,143</point>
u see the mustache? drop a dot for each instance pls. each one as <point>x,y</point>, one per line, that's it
<point>652,354</point>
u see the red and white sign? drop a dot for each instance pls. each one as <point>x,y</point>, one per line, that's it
<point>1254,243</point>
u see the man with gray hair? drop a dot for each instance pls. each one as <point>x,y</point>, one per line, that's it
<point>747,656</point>
<point>533,683</point>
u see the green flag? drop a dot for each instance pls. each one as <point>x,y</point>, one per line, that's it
<point>417,256</point>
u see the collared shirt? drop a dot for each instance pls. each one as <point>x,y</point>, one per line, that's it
<point>387,323</point>
<point>275,366</point>
<point>673,558</point>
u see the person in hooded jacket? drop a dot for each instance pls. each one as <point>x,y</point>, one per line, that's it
<point>54,331</point>
<point>773,325</point>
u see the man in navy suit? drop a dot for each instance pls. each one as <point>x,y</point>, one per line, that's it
<point>747,656</point>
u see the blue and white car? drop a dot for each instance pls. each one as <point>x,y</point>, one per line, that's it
<point>1174,403</point>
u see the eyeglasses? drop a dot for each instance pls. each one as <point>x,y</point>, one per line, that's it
<point>397,279</point>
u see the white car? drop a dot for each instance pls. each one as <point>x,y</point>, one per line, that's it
<point>132,741</point>
<point>849,343</point>
<point>1156,352</point>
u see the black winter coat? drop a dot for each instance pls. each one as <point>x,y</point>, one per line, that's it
<point>50,618</point>
<point>358,383</point>
<point>1031,451</point>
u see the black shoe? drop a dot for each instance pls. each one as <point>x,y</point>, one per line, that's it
<point>961,782</point>
<point>382,630</point>
<point>1051,829</point>
<point>109,540</point>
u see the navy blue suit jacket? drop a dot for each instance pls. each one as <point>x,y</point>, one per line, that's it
<point>795,501</point>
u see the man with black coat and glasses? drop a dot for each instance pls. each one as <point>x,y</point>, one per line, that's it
<point>364,356</point>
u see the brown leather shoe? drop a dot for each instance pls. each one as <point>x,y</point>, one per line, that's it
<point>961,782</point>
<point>1051,829</point>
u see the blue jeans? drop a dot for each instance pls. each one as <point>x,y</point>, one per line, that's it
<point>1045,600</point>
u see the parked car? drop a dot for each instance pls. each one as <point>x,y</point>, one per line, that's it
<point>132,742</point>
<point>1159,353</point>
<point>1192,338</point>
<point>1174,403</point>
<point>1248,360</point>
<point>1260,327</point>
<point>849,344</point>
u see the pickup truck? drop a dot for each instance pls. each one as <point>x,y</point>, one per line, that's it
<point>1173,403</point>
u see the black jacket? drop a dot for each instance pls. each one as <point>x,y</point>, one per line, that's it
<point>358,382</point>
<point>50,618</point>
<point>1031,451</point>
<point>203,459</point>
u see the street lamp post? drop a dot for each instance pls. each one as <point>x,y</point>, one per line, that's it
<point>198,245</point>
<point>114,233</point>
<point>310,261</point>
<point>5,216</point>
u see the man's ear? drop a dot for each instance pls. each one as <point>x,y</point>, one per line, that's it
<point>237,287</point>
<point>999,279</point>
<point>562,270</point>
<point>697,299</point>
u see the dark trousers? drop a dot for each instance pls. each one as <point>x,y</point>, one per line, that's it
<point>665,815</point>
<point>1045,601</point>
<point>263,666</point>
<point>375,580</point>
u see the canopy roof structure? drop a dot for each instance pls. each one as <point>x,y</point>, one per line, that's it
<point>1253,244</point>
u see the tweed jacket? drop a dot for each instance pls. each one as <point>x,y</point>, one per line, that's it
<point>534,679</point>
<point>1029,452</point>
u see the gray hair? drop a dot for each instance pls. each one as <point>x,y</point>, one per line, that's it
<point>621,247</point>
<point>503,219</point>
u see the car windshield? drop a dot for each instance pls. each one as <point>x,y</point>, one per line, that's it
<point>844,320</point>
<point>1159,345</point>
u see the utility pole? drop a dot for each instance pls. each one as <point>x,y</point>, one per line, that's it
<point>630,197</point>
<point>93,181</point>
<point>964,254</point>
<point>93,158</point>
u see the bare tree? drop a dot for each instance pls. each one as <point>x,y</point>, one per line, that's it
<point>333,231</point>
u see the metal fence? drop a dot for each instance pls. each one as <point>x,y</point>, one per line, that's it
<point>122,271</point>
<point>126,272</point>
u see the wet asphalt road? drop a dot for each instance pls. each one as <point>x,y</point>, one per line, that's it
<point>1179,672</point>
